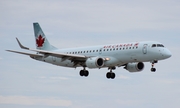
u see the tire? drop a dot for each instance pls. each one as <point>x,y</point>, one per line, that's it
<point>108,75</point>
<point>81,73</point>
<point>113,75</point>
<point>153,69</point>
<point>86,73</point>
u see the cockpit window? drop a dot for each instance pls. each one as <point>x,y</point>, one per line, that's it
<point>157,45</point>
<point>154,45</point>
<point>160,45</point>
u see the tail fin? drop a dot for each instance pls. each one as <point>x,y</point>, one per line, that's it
<point>40,39</point>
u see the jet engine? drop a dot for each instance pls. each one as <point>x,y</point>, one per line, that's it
<point>134,67</point>
<point>94,62</point>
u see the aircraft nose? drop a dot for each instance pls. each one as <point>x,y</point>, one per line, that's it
<point>167,53</point>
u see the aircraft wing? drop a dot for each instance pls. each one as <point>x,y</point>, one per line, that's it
<point>49,53</point>
<point>32,55</point>
<point>57,54</point>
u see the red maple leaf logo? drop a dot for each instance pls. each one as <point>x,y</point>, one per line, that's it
<point>39,41</point>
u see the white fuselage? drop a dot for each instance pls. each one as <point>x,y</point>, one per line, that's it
<point>130,55</point>
<point>116,54</point>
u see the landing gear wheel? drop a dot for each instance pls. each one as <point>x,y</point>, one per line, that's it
<point>153,69</point>
<point>110,75</point>
<point>81,73</point>
<point>86,73</point>
<point>113,75</point>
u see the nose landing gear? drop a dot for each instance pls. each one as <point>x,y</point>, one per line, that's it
<point>153,69</point>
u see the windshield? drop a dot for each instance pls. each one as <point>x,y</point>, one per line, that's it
<point>157,45</point>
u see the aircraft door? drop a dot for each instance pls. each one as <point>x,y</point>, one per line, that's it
<point>144,49</point>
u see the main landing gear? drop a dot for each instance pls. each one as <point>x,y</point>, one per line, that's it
<point>84,72</point>
<point>111,74</point>
<point>153,69</point>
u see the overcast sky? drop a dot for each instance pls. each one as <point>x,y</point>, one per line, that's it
<point>68,23</point>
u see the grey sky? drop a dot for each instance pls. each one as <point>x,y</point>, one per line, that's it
<point>28,83</point>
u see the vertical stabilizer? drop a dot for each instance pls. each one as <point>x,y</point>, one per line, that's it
<point>40,39</point>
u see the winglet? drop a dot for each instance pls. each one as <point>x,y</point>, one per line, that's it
<point>23,47</point>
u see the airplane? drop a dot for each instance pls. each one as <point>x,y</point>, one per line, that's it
<point>130,55</point>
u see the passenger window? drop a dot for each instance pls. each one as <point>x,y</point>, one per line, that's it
<point>107,49</point>
<point>104,50</point>
<point>120,49</point>
<point>96,50</point>
<point>154,45</point>
<point>116,48</point>
<point>129,47</point>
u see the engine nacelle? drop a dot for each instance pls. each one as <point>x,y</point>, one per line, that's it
<point>95,62</point>
<point>134,67</point>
